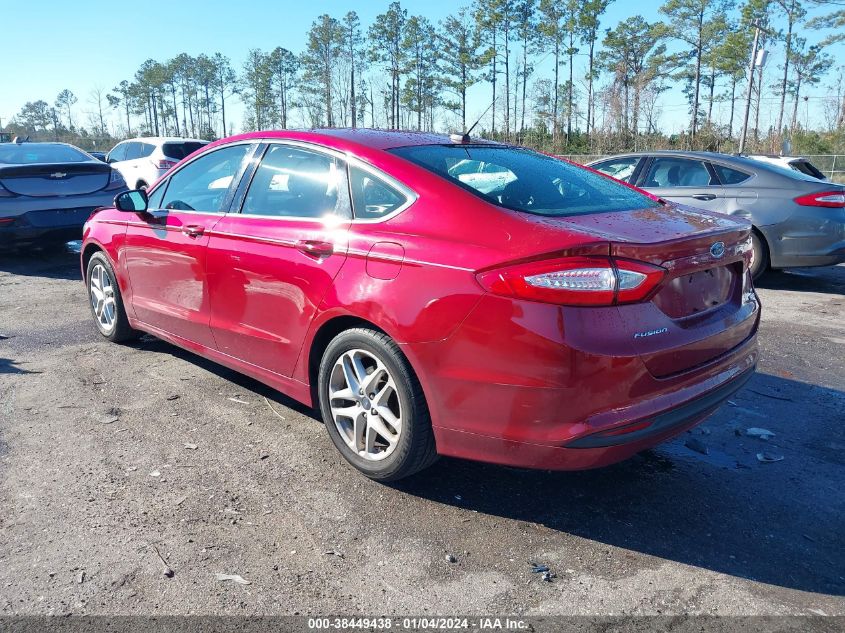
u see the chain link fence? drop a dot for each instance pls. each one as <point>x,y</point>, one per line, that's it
<point>831,165</point>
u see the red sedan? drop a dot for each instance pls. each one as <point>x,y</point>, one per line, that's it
<point>436,295</point>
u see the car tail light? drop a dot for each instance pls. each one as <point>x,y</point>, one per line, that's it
<point>576,281</point>
<point>164,164</point>
<point>116,181</point>
<point>833,199</point>
<point>6,221</point>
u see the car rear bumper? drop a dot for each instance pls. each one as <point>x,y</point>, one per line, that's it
<point>29,219</point>
<point>54,225</point>
<point>554,397</point>
<point>818,240</point>
<point>593,449</point>
<point>670,421</point>
<point>796,261</point>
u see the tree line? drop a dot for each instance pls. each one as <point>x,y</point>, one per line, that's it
<point>404,71</point>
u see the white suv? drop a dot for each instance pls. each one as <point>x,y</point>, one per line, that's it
<point>142,161</point>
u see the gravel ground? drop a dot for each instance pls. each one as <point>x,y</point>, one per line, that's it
<point>114,459</point>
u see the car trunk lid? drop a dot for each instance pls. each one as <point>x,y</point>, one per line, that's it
<point>55,179</point>
<point>704,306</point>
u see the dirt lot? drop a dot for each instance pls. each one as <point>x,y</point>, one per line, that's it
<point>109,453</point>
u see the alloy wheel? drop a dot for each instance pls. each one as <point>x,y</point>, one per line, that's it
<point>101,289</point>
<point>365,405</point>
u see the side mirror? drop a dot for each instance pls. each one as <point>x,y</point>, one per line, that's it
<point>133,201</point>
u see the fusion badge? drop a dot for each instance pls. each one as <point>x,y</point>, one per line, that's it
<point>662,330</point>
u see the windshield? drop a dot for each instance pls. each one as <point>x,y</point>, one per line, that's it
<point>32,153</point>
<point>524,180</point>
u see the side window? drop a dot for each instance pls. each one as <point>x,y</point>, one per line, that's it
<point>371,196</point>
<point>202,185</point>
<point>666,171</point>
<point>730,176</point>
<point>146,149</point>
<point>619,168</point>
<point>156,197</point>
<point>133,150</point>
<point>118,153</point>
<point>296,182</point>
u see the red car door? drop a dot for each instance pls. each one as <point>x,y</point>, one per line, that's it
<point>165,247</point>
<point>269,266</point>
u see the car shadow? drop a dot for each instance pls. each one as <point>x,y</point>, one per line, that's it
<point>726,511</point>
<point>59,261</point>
<point>826,280</point>
<point>8,366</point>
<point>152,344</point>
<point>777,523</point>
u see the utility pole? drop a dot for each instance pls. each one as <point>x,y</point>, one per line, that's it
<point>751,65</point>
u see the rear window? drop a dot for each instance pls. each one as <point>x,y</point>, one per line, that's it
<point>180,150</point>
<point>524,180</point>
<point>806,167</point>
<point>32,153</point>
<point>730,176</point>
<point>372,197</point>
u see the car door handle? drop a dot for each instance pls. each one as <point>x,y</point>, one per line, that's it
<point>315,248</point>
<point>193,230</point>
<point>704,196</point>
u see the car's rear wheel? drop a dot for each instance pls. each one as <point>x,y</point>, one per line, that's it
<point>373,406</point>
<point>106,301</point>
<point>759,255</point>
<point>141,185</point>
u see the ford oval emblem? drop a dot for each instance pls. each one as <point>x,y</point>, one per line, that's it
<point>718,250</point>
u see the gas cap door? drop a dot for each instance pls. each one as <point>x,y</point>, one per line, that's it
<point>384,261</point>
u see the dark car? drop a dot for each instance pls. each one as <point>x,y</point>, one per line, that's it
<point>48,190</point>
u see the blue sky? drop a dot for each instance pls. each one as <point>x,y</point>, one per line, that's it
<point>49,45</point>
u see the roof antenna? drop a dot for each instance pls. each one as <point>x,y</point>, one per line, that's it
<point>464,138</point>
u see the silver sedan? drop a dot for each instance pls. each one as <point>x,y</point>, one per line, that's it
<point>798,220</point>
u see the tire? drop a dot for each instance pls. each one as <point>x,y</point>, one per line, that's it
<point>141,185</point>
<point>106,301</point>
<point>760,255</point>
<point>393,435</point>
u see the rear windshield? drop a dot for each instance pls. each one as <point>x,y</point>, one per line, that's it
<point>31,153</point>
<point>806,167</point>
<point>180,150</point>
<point>524,180</point>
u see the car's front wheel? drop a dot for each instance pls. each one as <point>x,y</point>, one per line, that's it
<point>373,406</point>
<point>106,301</point>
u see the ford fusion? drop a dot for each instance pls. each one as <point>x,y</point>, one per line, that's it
<point>48,190</point>
<point>535,314</point>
